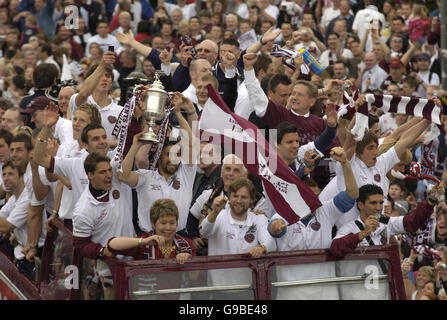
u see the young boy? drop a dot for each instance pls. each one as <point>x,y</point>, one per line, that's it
<point>397,192</point>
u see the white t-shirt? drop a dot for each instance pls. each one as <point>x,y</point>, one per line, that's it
<point>272,11</point>
<point>70,150</point>
<point>229,236</point>
<point>104,43</point>
<point>301,237</point>
<point>387,123</point>
<point>364,175</point>
<point>362,20</point>
<point>434,81</point>
<point>188,11</point>
<point>96,219</point>
<point>63,131</point>
<point>109,114</point>
<point>152,186</point>
<point>326,57</point>
<point>122,194</point>
<point>197,207</point>
<point>377,75</point>
<point>73,170</point>
<point>328,15</point>
<point>15,211</point>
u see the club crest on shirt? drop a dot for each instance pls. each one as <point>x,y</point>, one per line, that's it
<point>115,194</point>
<point>176,184</point>
<point>250,234</point>
<point>377,177</point>
<point>112,119</point>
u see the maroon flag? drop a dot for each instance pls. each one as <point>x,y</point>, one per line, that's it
<point>290,196</point>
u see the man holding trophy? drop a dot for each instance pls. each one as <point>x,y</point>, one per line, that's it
<point>172,170</point>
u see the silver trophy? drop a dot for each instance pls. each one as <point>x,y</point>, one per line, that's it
<point>155,108</point>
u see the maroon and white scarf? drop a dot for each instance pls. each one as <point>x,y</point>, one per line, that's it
<point>418,107</point>
<point>182,246</point>
<point>347,109</point>
<point>122,125</point>
<point>288,56</point>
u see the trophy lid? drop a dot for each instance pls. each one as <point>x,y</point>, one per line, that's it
<point>157,85</point>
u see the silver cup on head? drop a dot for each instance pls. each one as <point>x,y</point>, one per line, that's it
<point>155,108</point>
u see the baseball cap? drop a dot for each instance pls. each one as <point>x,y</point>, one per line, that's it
<point>38,103</point>
<point>395,63</point>
<point>424,56</point>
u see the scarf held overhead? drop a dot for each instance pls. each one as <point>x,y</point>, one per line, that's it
<point>425,108</point>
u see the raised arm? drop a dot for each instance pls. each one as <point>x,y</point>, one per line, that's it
<point>269,35</point>
<point>40,155</point>
<point>407,56</point>
<point>386,50</point>
<point>339,155</point>
<point>128,39</point>
<point>181,102</point>
<point>92,81</point>
<point>396,134</point>
<point>128,176</point>
<point>257,96</point>
<point>405,141</point>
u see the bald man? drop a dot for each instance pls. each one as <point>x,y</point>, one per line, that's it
<point>197,69</point>
<point>372,76</point>
<point>64,100</point>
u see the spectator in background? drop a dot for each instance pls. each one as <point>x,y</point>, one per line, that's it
<point>371,76</point>
<point>45,55</point>
<point>81,34</point>
<point>418,24</point>
<point>125,23</point>
<point>11,119</point>
<point>104,39</point>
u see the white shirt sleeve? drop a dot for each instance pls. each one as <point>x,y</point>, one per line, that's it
<point>18,215</point>
<point>256,95</point>
<point>396,226</point>
<point>264,236</point>
<point>73,105</point>
<point>207,228</point>
<point>200,202</point>
<point>387,161</point>
<point>83,225</point>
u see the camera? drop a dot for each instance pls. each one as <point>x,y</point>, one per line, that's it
<point>129,84</point>
<point>53,93</point>
<point>442,267</point>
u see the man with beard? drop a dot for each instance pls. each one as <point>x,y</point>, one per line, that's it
<point>174,177</point>
<point>235,230</point>
<point>232,169</point>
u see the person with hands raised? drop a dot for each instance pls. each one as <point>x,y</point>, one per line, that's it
<point>235,229</point>
<point>313,231</point>
<point>175,172</point>
<point>95,90</point>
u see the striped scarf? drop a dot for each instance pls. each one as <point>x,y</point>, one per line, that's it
<point>425,108</point>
